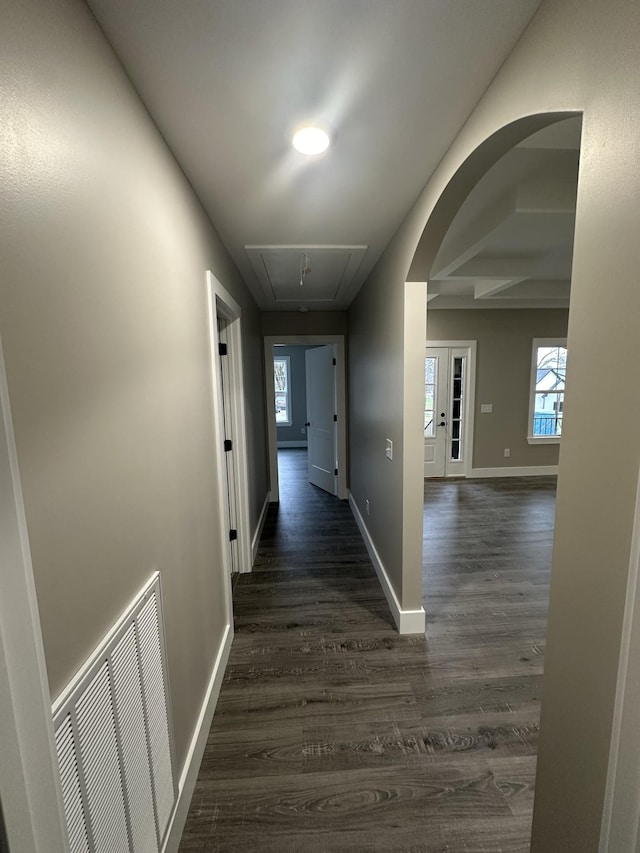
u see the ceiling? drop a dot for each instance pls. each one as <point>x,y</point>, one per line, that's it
<point>511,243</point>
<point>228,81</point>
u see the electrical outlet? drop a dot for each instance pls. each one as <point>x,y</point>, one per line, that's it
<point>507,452</point>
<point>366,506</point>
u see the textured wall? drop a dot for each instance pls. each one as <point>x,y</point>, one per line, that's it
<point>503,377</point>
<point>103,318</point>
<point>574,56</point>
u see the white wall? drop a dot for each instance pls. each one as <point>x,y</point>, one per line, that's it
<point>574,56</point>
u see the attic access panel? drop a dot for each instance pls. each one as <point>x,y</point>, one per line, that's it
<point>331,270</point>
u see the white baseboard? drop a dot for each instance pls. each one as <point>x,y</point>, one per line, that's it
<point>528,471</point>
<point>407,621</point>
<point>196,749</point>
<point>255,542</point>
<point>285,444</point>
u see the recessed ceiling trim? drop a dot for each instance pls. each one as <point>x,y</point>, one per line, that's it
<point>333,267</point>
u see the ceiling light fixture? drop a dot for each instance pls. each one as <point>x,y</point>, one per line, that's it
<point>311,140</point>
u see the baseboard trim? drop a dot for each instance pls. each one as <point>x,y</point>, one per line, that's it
<point>285,444</point>
<point>407,621</point>
<point>255,542</point>
<point>529,471</point>
<point>196,748</point>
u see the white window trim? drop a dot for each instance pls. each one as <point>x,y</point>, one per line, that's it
<point>289,420</point>
<point>539,342</point>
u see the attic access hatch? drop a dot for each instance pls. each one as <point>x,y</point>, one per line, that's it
<point>328,281</point>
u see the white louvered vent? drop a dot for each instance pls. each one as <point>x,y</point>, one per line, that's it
<point>114,738</point>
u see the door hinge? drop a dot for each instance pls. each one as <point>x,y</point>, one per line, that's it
<point>335,471</point>
<point>334,362</point>
<point>335,418</point>
<point>233,535</point>
<point>228,445</point>
<point>222,349</point>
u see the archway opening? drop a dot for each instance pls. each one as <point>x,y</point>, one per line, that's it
<point>496,255</point>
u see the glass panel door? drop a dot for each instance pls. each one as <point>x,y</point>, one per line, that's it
<point>430,389</point>
<point>456,418</point>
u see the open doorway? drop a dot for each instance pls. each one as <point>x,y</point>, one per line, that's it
<point>500,278</point>
<point>305,393</point>
<point>306,410</point>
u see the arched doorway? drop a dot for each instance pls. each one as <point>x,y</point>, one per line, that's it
<point>444,213</point>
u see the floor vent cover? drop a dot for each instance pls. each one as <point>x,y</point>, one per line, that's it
<point>114,738</point>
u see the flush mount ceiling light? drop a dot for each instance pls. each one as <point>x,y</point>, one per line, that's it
<point>311,140</point>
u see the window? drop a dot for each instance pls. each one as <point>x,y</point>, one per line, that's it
<point>548,372</point>
<point>430,368</point>
<point>457,407</point>
<point>281,374</point>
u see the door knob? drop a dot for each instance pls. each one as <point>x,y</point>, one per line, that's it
<point>308,423</point>
<point>442,423</point>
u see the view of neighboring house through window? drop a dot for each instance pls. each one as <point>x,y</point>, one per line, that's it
<point>548,372</point>
<point>281,375</point>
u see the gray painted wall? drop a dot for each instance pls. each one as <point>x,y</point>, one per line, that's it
<point>503,376</point>
<point>309,323</point>
<point>103,318</point>
<point>573,56</point>
<point>297,431</point>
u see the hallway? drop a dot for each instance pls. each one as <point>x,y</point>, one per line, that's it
<point>332,732</point>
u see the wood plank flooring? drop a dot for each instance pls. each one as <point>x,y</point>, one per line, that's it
<point>332,732</point>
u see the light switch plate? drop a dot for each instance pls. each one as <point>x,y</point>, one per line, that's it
<point>389,451</point>
<point>486,408</point>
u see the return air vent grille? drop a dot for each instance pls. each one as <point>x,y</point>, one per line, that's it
<point>71,794</point>
<point>114,738</point>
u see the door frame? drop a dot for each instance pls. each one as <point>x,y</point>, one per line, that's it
<point>620,830</point>
<point>341,396</point>
<point>29,776</point>
<point>220,302</point>
<point>471,347</point>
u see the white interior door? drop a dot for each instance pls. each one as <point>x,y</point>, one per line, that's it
<point>229,459</point>
<point>436,383</point>
<point>321,418</point>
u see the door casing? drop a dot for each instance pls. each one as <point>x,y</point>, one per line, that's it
<point>270,397</point>
<point>29,776</point>
<point>221,303</point>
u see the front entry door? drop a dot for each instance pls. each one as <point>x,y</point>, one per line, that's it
<point>321,418</point>
<point>445,411</point>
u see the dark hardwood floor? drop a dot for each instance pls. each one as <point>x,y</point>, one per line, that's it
<point>332,732</point>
